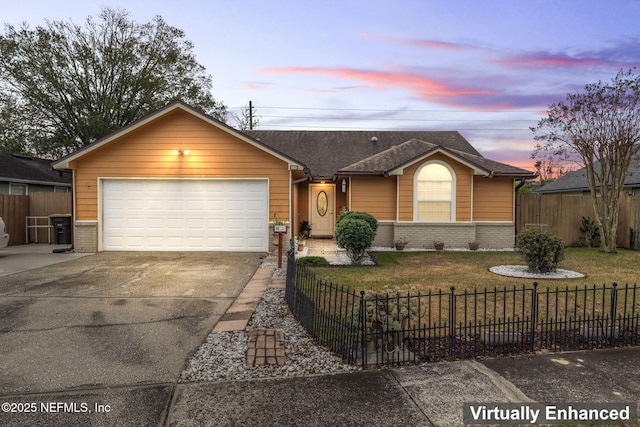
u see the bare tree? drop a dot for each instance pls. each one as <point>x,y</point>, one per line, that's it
<point>247,119</point>
<point>601,125</point>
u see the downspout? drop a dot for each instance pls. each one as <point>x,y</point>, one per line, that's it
<point>397,198</point>
<point>73,212</point>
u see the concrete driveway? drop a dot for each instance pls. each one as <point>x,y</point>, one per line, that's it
<point>103,338</point>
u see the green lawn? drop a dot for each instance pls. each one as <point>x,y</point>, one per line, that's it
<point>424,271</point>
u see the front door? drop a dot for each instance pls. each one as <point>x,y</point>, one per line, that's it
<point>322,210</point>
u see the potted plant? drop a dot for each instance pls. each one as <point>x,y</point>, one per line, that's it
<point>305,228</point>
<point>474,246</point>
<point>301,241</point>
<point>438,244</point>
<point>400,244</point>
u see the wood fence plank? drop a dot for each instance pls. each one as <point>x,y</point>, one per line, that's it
<point>14,209</point>
<point>561,214</point>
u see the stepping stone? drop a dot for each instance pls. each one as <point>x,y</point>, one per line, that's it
<point>265,347</point>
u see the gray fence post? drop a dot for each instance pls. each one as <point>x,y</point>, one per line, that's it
<point>452,322</point>
<point>534,314</point>
<point>614,304</point>
<point>363,331</point>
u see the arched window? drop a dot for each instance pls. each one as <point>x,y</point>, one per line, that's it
<point>434,193</point>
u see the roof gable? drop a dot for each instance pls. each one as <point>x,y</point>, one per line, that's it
<point>148,119</point>
<point>396,158</point>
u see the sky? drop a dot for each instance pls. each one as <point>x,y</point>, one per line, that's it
<point>488,69</point>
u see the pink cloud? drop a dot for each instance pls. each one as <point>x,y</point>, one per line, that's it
<point>435,90</point>
<point>621,54</point>
<point>253,86</point>
<point>545,60</point>
<point>428,88</point>
<point>423,43</point>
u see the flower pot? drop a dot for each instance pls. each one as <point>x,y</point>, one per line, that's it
<point>474,246</point>
<point>439,246</point>
<point>399,247</point>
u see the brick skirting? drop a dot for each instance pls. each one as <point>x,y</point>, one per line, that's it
<point>490,235</point>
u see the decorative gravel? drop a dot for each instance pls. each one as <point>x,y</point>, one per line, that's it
<point>523,271</point>
<point>222,356</point>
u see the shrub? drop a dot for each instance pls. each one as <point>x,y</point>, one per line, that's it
<point>355,235</point>
<point>542,251</point>
<point>591,231</point>
<point>312,260</point>
<point>373,223</point>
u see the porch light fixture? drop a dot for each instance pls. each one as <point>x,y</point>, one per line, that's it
<point>344,185</point>
<point>181,152</point>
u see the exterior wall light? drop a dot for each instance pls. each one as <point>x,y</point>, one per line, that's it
<point>181,152</point>
<point>344,185</point>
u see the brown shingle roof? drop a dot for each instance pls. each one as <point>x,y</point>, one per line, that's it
<point>327,153</point>
<point>19,168</point>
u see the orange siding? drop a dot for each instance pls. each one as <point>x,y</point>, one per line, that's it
<point>375,195</point>
<point>149,152</point>
<point>493,199</point>
<point>463,188</point>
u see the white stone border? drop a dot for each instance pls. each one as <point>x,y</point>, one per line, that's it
<point>522,271</point>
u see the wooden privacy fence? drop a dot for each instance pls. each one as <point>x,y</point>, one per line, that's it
<point>15,209</point>
<point>562,214</point>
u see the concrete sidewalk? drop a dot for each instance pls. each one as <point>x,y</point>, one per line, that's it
<point>429,395</point>
<point>15,259</point>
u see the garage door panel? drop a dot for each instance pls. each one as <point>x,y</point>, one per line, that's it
<point>185,215</point>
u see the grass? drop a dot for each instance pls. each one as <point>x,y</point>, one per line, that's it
<point>424,271</point>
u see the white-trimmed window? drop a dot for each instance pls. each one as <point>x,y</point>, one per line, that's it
<point>18,189</point>
<point>434,189</point>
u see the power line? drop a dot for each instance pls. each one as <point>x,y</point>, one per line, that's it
<point>280,126</point>
<point>394,111</point>
<point>390,119</point>
<point>396,119</point>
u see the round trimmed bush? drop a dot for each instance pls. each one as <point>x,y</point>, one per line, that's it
<point>355,235</point>
<point>373,223</point>
<point>542,251</point>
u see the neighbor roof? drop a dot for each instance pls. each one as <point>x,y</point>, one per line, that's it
<point>577,180</point>
<point>330,153</point>
<point>31,170</point>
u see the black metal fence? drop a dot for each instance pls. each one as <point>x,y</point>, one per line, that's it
<point>375,329</point>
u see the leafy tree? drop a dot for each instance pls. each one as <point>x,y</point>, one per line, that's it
<point>64,85</point>
<point>600,125</point>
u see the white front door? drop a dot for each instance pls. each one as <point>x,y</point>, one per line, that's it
<point>322,209</point>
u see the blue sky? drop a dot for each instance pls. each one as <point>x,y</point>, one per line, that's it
<point>486,68</point>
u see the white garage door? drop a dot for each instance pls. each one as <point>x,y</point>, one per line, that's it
<point>185,215</point>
